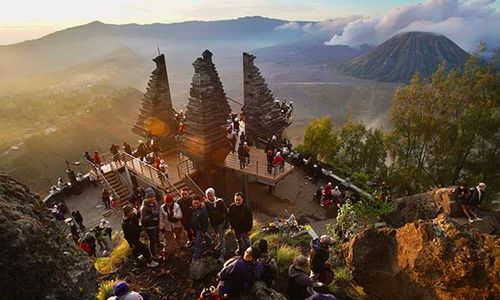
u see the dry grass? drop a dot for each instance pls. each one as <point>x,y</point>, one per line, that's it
<point>106,265</point>
<point>286,254</point>
<point>106,289</point>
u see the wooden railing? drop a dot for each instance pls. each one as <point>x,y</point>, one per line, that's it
<point>257,167</point>
<point>154,175</point>
<point>100,175</point>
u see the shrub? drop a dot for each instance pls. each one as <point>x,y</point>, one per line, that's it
<point>106,289</point>
<point>286,254</point>
<point>342,274</point>
<point>106,265</point>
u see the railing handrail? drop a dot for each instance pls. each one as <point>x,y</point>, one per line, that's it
<point>99,173</point>
<point>237,102</point>
<point>150,167</point>
<point>234,159</point>
<point>195,185</point>
<point>185,173</point>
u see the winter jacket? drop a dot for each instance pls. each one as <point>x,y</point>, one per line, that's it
<point>217,211</point>
<point>131,229</point>
<point>240,218</point>
<point>175,211</point>
<point>236,277</point>
<point>150,215</point>
<point>298,282</point>
<point>199,219</point>
<point>278,160</point>
<point>128,296</point>
<point>318,256</point>
<point>186,210</point>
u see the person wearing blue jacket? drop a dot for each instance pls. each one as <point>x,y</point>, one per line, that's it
<point>199,224</point>
<point>238,274</point>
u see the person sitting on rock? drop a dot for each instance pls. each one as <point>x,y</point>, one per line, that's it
<point>267,266</point>
<point>299,281</point>
<point>199,224</point>
<point>238,276</point>
<point>132,232</point>
<point>319,253</point>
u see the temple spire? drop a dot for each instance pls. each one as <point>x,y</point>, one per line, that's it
<point>205,141</point>
<point>156,116</point>
<point>264,115</point>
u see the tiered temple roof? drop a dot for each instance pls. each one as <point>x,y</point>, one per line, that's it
<point>205,141</point>
<point>263,117</point>
<point>156,117</point>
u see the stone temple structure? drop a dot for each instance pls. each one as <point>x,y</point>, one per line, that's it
<point>205,141</point>
<point>156,117</point>
<point>263,117</point>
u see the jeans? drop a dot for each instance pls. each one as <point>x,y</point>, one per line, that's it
<point>153,240</point>
<point>187,228</point>
<point>243,240</point>
<point>221,234</point>
<point>199,236</point>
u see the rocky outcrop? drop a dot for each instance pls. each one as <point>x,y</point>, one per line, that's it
<point>431,259</point>
<point>37,261</point>
<point>262,292</point>
<point>201,268</point>
<point>429,205</point>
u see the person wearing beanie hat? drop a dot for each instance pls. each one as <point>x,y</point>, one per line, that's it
<point>132,232</point>
<point>298,279</point>
<point>319,253</point>
<point>170,224</point>
<point>217,213</point>
<point>150,219</point>
<point>266,265</point>
<point>121,292</point>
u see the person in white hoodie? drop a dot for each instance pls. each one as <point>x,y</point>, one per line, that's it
<point>170,224</point>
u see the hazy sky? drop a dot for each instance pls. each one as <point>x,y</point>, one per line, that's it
<point>28,19</point>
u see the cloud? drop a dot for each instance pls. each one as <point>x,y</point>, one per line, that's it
<point>464,22</point>
<point>288,26</point>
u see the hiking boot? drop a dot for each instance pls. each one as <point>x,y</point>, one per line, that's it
<point>152,264</point>
<point>188,244</point>
<point>478,219</point>
<point>470,220</point>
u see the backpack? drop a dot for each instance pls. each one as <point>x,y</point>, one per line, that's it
<point>218,212</point>
<point>268,275</point>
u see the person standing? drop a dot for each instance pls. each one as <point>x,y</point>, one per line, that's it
<point>97,158</point>
<point>185,204</point>
<point>241,156</point>
<point>241,221</point>
<point>319,253</point>
<point>105,198</point>
<point>150,219</point>
<point>132,232</point>
<point>217,213</point>
<point>108,230</point>
<point>476,196</point>
<point>246,152</point>
<point>113,149</point>
<point>77,216</point>
<point>199,224</point>
<point>170,224</point>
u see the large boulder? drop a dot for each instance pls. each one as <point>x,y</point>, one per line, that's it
<point>431,259</point>
<point>423,206</point>
<point>261,292</point>
<point>201,268</point>
<point>36,259</point>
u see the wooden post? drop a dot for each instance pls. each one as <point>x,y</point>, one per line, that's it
<point>244,187</point>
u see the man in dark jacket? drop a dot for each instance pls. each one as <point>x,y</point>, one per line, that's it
<point>319,253</point>
<point>298,280</point>
<point>132,232</point>
<point>241,220</point>
<point>239,275</point>
<point>150,219</point>
<point>185,204</point>
<point>199,224</point>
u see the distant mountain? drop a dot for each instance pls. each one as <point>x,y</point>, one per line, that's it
<point>185,40</point>
<point>397,59</point>
<point>309,51</point>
